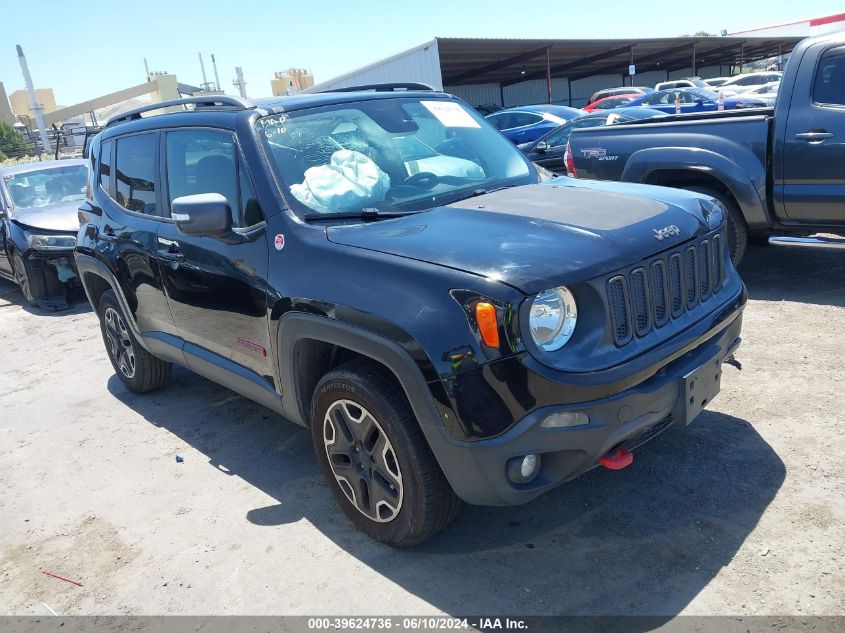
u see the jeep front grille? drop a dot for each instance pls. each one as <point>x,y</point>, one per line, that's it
<point>647,296</point>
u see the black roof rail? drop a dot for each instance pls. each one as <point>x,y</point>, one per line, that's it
<point>211,101</point>
<point>384,87</point>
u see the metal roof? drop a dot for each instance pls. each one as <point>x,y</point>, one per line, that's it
<point>472,61</point>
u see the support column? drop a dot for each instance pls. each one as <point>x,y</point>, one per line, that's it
<point>693,60</point>
<point>548,75</point>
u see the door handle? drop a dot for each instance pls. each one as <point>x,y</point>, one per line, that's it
<point>814,136</point>
<point>173,257</point>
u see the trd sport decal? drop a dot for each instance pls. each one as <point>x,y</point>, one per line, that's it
<point>252,347</point>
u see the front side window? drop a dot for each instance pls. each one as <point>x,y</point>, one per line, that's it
<point>829,83</point>
<point>135,165</point>
<point>43,187</point>
<point>205,161</point>
<point>398,154</point>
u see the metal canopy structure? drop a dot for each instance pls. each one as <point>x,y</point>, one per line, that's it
<point>465,61</point>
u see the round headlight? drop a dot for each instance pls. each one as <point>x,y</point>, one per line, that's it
<point>552,318</point>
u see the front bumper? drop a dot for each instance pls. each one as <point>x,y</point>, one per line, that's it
<point>477,470</point>
<point>51,275</point>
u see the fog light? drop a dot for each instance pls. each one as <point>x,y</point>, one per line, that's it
<point>522,470</point>
<point>565,418</point>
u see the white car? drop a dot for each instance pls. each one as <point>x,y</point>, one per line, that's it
<point>767,92</point>
<point>690,82</point>
<point>748,81</point>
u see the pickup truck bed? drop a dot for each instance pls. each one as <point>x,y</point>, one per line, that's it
<point>776,170</point>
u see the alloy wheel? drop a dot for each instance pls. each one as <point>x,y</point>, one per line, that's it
<point>363,460</point>
<point>120,345</point>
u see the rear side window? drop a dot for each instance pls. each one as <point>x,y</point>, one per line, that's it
<point>829,84</point>
<point>135,173</point>
<point>520,119</point>
<point>105,166</point>
<point>205,161</point>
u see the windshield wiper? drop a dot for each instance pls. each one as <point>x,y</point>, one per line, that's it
<point>481,192</point>
<point>367,213</point>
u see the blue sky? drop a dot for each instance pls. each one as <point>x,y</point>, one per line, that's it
<point>85,49</point>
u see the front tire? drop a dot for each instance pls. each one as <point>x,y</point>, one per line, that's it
<point>375,459</point>
<point>22,276</point>
<point>139,370</point>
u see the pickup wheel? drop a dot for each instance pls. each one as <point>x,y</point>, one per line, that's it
<point>737,228</point>
<point>375,459</point>
<point>139,370</point>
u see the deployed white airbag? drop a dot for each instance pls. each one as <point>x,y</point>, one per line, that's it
<point>350,182</point>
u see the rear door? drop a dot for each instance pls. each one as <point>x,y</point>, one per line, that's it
<point>813,187</point>
<point>217,290</point>
<point>132,213</point>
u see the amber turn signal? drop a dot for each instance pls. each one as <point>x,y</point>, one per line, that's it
<point>485,315</point>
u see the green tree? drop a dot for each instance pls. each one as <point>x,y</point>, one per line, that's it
<point>12,144</point>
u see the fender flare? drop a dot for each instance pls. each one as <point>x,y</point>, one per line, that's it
<point>644,162</point>
<point>85,265</point>
<point>297,326</point>
<point>450,454</point>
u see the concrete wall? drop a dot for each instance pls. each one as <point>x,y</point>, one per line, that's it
<point>421,64</point>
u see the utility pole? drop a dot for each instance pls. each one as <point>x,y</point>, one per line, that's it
<point>239,81</point>
<point>37,108</point>
<point>216,77</point>
<point>146,69</point>
<point>202,68</point>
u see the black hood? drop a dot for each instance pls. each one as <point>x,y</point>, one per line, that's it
<point>535,237</point>
<point>62,216</point>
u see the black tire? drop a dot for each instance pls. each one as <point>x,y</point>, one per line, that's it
<point>422,503</point>
<point>139,370</point>
<point>23,276</point>
<point>737,228</point>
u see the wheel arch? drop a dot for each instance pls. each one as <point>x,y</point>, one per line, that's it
<point>310,346</point>
<point>346,339</point>
<point>96,280</point>
<point>681,166</point>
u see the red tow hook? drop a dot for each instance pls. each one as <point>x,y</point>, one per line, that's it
<point>617,460</point>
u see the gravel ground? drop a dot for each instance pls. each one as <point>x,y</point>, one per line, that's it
<point>741,513</point>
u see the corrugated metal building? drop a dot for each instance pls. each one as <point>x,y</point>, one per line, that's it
<point>511,72</point>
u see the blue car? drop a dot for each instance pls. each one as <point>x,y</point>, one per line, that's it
<point>693,100</point>
<point>528,123</point>
<point>549,151</point>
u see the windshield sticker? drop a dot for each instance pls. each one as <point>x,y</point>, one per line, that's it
<point>450,114</point>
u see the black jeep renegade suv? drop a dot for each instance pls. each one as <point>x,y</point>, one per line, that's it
<point>387,269</point>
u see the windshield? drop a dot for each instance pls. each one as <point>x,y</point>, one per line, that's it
<point>392,155</point>
<point>698,83</point>
<point>39,188</point>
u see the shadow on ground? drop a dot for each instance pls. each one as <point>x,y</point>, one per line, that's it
<point>793,273</point>
<point>644,540</point>
<point>11,293</point>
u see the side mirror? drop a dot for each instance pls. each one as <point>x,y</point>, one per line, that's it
<point>203,214</point>
<point>541,147</point>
